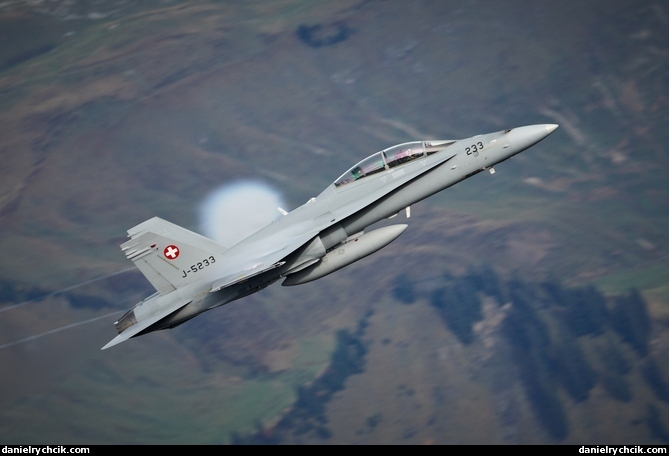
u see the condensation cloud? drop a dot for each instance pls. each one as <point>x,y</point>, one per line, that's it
<point>234,211</point>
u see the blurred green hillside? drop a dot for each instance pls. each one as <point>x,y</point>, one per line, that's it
<point>112,112</point>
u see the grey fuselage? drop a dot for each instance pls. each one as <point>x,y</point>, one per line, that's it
<point>348,206</point>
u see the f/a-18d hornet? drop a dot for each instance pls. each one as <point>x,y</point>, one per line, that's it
<point>192,274</point>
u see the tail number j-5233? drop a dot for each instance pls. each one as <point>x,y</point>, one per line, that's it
<point>199,266</point>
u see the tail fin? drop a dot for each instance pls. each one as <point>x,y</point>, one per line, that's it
<point>168,255</point>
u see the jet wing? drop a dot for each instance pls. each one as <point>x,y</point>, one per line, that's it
<point>145,323</point>
<point>263,252</point>
<point>259,253</point>
<point>245,275</point>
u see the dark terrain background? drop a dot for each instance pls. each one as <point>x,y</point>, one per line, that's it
<point>531,306</point>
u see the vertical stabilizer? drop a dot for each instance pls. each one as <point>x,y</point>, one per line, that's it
<point>168,255</point>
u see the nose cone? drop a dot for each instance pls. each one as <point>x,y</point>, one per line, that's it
<point>523,137</point>
<point>550,128</point>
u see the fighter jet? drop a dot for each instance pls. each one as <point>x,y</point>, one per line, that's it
<point>193,274</point>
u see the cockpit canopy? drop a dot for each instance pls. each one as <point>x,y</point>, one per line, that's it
<point>390,158</point>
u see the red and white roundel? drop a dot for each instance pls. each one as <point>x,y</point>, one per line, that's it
<point>171,252</point>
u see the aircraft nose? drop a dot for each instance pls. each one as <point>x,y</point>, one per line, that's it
<point>550,128</point>
<point>523,137</point>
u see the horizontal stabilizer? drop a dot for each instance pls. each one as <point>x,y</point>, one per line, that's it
<point>145,323</point>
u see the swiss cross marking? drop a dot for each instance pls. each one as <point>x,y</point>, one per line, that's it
<point>171,252</point>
